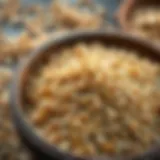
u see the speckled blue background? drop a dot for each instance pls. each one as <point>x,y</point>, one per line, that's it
<point>110,5</point>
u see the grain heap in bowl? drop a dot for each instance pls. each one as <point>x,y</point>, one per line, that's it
<point>146,22</point>
<point>92,99</point>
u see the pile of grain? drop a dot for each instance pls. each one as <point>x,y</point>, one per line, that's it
<point>92,99</point>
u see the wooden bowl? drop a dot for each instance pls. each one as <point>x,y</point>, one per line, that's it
<point>41,149</point>
<point>126,9</point>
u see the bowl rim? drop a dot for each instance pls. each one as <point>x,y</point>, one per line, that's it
<point>121,14</point>
<point>15,103</point>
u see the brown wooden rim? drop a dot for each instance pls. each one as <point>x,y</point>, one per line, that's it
<point>122,14</point>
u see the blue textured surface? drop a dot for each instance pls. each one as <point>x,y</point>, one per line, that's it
<point>110,5</point>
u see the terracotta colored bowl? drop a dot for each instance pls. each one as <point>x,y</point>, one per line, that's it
<point>124,14</point>
<point>41,149</point>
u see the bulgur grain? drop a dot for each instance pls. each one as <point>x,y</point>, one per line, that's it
<point>92,99</point>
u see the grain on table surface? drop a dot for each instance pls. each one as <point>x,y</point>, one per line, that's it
<point>40,23</point>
